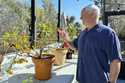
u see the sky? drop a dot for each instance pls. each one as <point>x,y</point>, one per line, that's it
<point>72,7</point>
<point>69,7</point>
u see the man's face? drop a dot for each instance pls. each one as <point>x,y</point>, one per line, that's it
<point>86,17</point>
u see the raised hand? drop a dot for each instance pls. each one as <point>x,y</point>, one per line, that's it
<point>63,34</point>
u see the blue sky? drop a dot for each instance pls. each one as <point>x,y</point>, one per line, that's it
<point>69,7</point>
<point>72,7</point>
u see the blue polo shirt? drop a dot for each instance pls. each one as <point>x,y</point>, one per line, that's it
<point>97,48</point>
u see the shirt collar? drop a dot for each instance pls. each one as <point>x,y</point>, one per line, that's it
<point>95,27</point>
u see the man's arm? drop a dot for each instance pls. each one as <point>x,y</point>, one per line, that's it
<point>73,43</point>
<point>114,70</point>
<point>113,50</point>
<point>67,39</point>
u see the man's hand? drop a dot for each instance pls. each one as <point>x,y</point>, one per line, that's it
<point>114,70</point>
<point>64,35</point>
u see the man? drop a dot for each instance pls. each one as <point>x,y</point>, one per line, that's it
<point>98,46</point>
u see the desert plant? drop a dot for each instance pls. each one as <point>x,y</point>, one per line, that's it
<point>21,42</point>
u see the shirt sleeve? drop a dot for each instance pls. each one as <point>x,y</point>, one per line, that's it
<point>112,47</point>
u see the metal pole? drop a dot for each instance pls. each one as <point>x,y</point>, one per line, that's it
<point>59,14</point>
<point>104,14</point>
<point>32,28</point>
<point>104,4</point>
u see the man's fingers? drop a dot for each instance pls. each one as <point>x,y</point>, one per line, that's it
<point>61,32</point>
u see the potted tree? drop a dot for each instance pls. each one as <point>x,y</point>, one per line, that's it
<point>43,65</point>
<point>18,43</point>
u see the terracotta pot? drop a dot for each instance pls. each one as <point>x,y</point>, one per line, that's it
<point>60,55</point>
<point>43,66</point>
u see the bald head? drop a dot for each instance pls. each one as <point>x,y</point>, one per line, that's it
<point>90,15</point>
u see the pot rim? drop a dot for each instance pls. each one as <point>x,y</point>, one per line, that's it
<point>45,56</point>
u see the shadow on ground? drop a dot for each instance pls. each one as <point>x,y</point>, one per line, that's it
<point>29,78</point>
